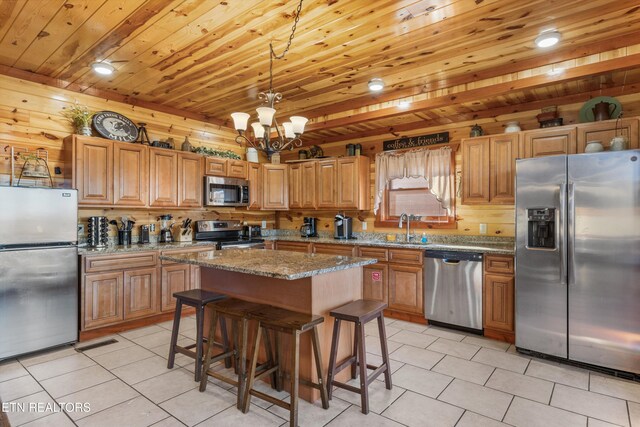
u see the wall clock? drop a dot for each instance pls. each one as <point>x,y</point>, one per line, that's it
<point>115,126</point>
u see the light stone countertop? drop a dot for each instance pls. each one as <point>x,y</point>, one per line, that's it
<point>277,264</point>
<point>471,246</point>
<point>116,249</point>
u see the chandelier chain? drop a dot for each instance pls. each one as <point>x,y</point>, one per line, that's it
<point>272,54</point>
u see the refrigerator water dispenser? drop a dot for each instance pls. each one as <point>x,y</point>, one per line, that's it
<point>541,228</point>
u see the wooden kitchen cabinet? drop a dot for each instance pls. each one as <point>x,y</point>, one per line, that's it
<point>215,166</point>
<point>499,297</point>
<point>353,187</point>
<point>405,288</point>
<point>503,150</point>
<point>475,170</point>
<point>255,186</point>
<point>375,282</point>
<point>275,187</point>
<point>550,141</point>
<point>326,191</point>
<point>163,173</point>
<point>293,246</point>
<point>329,249</point>
<point>140,293</point>
<point>605,130</point>
<point>103,302</point>
<point>130,174</point>
<point>308,187</point>
<point>93,170</point>
<point>295,186</point>
<point>175,278</point>
<point>237,169</point>
<point>190,180</point>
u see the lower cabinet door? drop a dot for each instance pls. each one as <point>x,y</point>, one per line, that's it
<point>374,283</point>
<point>140,293</point>
<point>175,278</point>
<point>195,277</point>
<point>102,299</point>
<point>405,288</point>
<point>498,302</point>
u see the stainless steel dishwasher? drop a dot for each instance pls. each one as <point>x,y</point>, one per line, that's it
<point>453,289</point>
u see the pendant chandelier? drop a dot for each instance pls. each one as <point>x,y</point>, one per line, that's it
<point>266,114</point>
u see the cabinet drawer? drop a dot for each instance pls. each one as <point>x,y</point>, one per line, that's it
<point>215,166</point>
<point>184,251</point>
<point>329,249</point>
<point>381,254</point>
<point>405,256</point>
<point>237,169</point>
<point>293,246</point>
<point>96,264</point>
<point>502,264</point>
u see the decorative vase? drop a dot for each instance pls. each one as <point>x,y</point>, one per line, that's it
<point>275,158</point>
<point>593,147</point>
<point>619,143</point>
<point>476,130</point>
<point>252,155</point>
<point>186,145</point>
<point>512,127</point>
<point>85,130</point>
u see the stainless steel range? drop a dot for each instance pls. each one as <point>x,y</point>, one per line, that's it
<point>229,234</point>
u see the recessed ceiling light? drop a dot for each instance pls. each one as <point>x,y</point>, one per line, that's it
<point>103,68</point>
<point>376,85</point>
<point>548,39</point>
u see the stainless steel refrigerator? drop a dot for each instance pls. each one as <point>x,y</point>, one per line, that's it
<point>38,269</point>
<point>578,258</point>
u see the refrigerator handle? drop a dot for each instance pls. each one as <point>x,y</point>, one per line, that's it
<point>561,234</point>
<point>571,224</point>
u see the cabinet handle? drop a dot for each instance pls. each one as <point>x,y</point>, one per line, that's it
<point>451,262</point>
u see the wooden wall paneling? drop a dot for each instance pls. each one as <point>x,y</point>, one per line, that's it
<point>475,170</point>
<point>140,292</point>
<point>503,151</point>
<point>549,142</point>
<point>190,180</point>
<point>130,174</point>
<point>326,187</point>
<point>163,174</point>
<point>103,301</point>
<point>604,131</point>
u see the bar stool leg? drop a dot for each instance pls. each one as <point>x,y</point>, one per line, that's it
<point>354,366</point>
<point>199,342</point>
<point>252,371</point>
<point>207,349</point>
<point>335,339</point>
<point>364,386</point>
<point>318,359</point>
<point>174,335</point>
<point>295,369</point>
<point>225,340</point>
<point>241,361</point>
<point>279,360</point>
<point>269,352</point>
<point>385,351</point>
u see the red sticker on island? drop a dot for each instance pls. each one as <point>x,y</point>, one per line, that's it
<point>376,276</point>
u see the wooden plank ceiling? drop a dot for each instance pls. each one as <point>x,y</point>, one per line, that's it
<point>206,59</point>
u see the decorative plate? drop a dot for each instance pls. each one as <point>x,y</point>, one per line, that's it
<point>586,112</point>
<point>115,126</point>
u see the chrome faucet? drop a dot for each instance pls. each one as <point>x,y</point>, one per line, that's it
<point>408,218</point>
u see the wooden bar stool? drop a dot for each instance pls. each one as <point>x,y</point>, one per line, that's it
<point>359,312</point>
<point>292,323</point>
<point>236,310</point>
<point>196,298</point>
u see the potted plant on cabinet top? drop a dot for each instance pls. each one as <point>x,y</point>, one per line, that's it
<point>80,118</point>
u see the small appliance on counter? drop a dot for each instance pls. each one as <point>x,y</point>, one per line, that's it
<point>165,232</point>
<point>309,228</point>
<point>97,231</point>
<point>144,234</point>
<point>252,232</point>
<point>227,234</point>
<point>343,227</point>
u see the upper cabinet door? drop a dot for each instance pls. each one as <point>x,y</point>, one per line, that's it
<point>215,166</point>
<point>348,183</point>
<point>255,186</point>
<point>549,142</point>
<point>94,171</point>
<point>502,166</point>
<point>131,169</point>
<point>475,170</point>
<point>326,185</point>
<point>295,186</point>
<point>275,187</point>
<point>605,130</point>
<point>190,180</point>
<point>237,169</point>
<point>163,172</point>
<point>308,187</point>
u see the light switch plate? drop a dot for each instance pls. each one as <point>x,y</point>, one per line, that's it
<point>483,228</point>
<point>364,225</point>
<point>264,224</point>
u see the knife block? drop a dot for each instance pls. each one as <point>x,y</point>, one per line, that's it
<point>187,237</point>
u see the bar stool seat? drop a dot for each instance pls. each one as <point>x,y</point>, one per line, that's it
<point>292,323</point>
<point>359,312</point>
<point>237,311</point>
<point>198,299</point>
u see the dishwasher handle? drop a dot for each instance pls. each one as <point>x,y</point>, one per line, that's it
<point>453,257</point>
<point>451,261</point>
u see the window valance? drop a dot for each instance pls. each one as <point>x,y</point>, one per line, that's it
<point>432,165</point>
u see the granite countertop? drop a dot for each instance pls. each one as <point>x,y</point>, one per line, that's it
<point>277,264</point>
<point>116,249</point>
<point>471,246</point>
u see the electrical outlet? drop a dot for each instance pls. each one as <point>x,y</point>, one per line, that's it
<point>264,224</point>
<point>483,228</point>
<point>80,228</point>
<point>364,225</point>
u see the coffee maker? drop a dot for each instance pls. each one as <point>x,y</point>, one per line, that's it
<point>343,227</point>
<point>165,232</point>
<point>309,227</point>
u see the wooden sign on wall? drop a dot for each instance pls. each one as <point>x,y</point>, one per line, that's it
<point>415,141</point>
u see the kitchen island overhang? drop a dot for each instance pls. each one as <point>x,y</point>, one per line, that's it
<point>307,283</point>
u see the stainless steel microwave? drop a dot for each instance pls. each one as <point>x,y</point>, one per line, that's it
<point>219,191</point>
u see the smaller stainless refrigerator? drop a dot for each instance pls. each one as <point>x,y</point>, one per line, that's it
<point>38,269</point>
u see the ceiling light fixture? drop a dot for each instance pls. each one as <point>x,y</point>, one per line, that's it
<point>103,68</point>
<point>266,115</point>
<point>548,38</point>
<point>376,85</point>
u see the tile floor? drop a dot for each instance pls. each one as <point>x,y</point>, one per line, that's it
<point>441,378</point>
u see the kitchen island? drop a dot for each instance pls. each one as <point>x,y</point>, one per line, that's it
<point>307,283</point>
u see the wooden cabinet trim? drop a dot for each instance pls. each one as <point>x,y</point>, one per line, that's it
<point>99,263</point>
